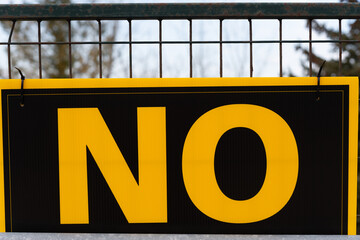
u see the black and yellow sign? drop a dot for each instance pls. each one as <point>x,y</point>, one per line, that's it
<point>215,155</point>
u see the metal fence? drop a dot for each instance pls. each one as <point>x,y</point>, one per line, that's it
<point>189,12</point>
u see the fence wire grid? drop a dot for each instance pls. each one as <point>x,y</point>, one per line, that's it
<point>188,12</point>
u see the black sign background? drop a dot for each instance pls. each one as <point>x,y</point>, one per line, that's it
<point>317,206</point>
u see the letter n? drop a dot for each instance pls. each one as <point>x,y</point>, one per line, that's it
<point>81,128</point>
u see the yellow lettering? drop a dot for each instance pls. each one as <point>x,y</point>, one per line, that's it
<point>85,127</point>
<point>281,156</point>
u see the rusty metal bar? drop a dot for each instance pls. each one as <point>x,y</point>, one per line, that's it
<point>221,48</point>
<point>251,48</point>
<point>280,47</point>
<point>190,46</point>
<point>180,11</point>
<point>310,47</point>
<point>340,49</point>
<point>70,53</point>
<point>100,49</point>
<point>160,48</point>
<point>9,51</point>
<point>39,49</point>
<point>130,49</point>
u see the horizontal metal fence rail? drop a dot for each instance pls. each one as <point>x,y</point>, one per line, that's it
<point>186,11</point>
<point>181,11</point>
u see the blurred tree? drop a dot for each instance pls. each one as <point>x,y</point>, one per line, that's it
<point>351,51</point>
<point>55,57</point>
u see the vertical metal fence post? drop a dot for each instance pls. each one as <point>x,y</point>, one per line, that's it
<point>130,50</point>
<point>70,52</point>
<point>280,47</point>
<point>190,48</point>
<point>221,48</point>
<point>251,48</point>
<point>310,47</point>
<point>9,44</point>
<point>160,48</point>
<point>100,49</point>
<point>340,49</point>
<point>39,48</point>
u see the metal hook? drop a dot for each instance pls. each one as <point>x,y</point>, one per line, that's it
<point>22,88</point>
<point>318,82</point>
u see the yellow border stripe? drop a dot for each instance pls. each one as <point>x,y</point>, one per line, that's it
<point>353,83</point>
<point>353,153</point>
<point>2,184</point>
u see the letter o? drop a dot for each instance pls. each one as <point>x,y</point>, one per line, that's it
<point>281,156</point>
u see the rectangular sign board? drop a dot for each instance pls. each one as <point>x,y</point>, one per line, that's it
<point>202,155</point>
